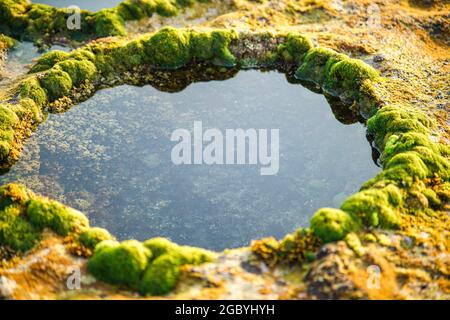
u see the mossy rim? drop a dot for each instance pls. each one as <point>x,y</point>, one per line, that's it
<point>410,156</point>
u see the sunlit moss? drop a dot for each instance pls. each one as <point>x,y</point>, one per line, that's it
<point>375,207</point>
<point>294,48</point>
<point>57,83</point>
<point>93,236</point>
<point>346,77</point>
<point>119,263</point>
<point>28,20</point>
<point>109,23</point>
<point>332,224</point>
<point>317,64</point>
<point>48,60</point>
<point>45,213</point>
<point>168,48</point>
<point>78,70</point>
<point>15,231</point>
<point>31,88</point>
<point>152,267</point>
<point>162,274</point>
<point>8,120</point>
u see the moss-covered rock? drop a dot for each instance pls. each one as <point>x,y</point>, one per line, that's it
<point>346,77</point>
<point>44,213</point>
<point>31,88</point>
<point>21,18</point>
<point>15,231</point>
<point>57,83</point>
<point>109,23</point>
<point>294,48</point>
<point>48,60</point>
<point>375,207</point>
<point>78,70</point>
<point>332,224</point>
<point>8,120</point>
<point>119,263</point>
<point>6,42</point>
<point>168,48</point>
<point>317,64</point>
<point>161,276</point>
<point>93,236</point>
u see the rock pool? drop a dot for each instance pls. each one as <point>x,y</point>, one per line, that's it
<point>110,158</point>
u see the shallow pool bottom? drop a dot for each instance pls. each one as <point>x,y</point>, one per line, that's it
<point>110,157</point>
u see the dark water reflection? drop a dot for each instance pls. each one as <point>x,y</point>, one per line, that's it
<point>110,157</point>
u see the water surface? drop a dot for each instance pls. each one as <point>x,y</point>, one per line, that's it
<point>110,158</point>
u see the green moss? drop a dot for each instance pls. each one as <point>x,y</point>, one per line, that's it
<point>78,70</point>
<point>133,10</point>
<point>159,246</point>
<point>168,48</point>
<point>130,263</point>
<point>121,264</point>
<point>294,48</point>
<point>12,15</point>
<point>6,42</point>
<point>166,8</point>
<point>201,44</point>
<point>13,193</point>
<point>131,55</point>
<point>109,23</point>
<point>161,276</point>
<point>8,120</point>
<point>432,197</point>
<point>31,88</point>
<point>317,64</point>
<point>15,231</point>
<point>332,224</point>
<point>346,76</point>
<point>45,213</point>
<point>28,109</point>
<point>375,207</point>
<point>394,120</point>
<point>48,60</point>
<point>213,46</point>
<point>57,83</point>
<point>93,236</point>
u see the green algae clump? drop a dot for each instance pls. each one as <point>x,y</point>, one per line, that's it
<point>57,83</point>
<point>162,274</point>
<point>109,23</point>
<point>93,236</point>
<point>294,48</point>
<point>31,88</point>
<point>79,71</point>
<point>347,76</point>
<point>15,231</point>
<point>119,263</point>
<point>8,120</point>
<point>152,267</point>
<point>168,48</point>
<point>317,64</point>
<point>332,224</point>
<point>45,213</point>
<point>48,60</point>
<point>375,207</point>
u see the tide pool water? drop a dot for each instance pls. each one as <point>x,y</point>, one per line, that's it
<point>110,157</point>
